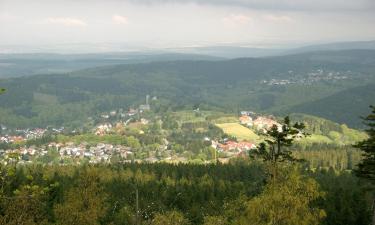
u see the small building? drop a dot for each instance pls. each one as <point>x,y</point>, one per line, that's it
<point>246,120</point>
<point>264,123</point>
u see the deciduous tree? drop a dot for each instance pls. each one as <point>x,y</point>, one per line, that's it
<point>288,201</point>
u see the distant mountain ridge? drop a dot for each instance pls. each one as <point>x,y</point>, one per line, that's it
<point>15,65</point>
<point>245,51</point>
<point>336,46</point>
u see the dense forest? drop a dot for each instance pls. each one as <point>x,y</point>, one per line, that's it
<point>191,194</point>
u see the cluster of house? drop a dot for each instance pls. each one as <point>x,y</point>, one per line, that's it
<point>103,129</point>
<point>260,123</point>
<point>132,111</point>
<point>95,154</point>
<point>106,128</point>
<point>34,133</point>
<point>313,76</point>
<point>19,135</point>
<point>12,138</point>
<point>116,113</point>
<point>233,148</point>
<point>99,153</point>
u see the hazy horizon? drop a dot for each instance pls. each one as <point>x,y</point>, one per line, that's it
<point>91,25</point>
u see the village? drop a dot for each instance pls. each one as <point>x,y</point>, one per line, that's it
<point>312,77</point>
<point>216,148</point>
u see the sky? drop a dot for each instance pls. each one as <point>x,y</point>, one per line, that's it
<point>154,24</point>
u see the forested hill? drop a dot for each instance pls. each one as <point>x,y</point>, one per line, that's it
<point>15,65</point>
<point>341,106</point>
<point>307,83</point>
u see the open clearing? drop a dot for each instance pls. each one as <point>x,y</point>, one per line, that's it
<point>239,131</point>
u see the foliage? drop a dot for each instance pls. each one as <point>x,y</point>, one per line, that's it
<point>325,157</point>
<point>195,194</point>
<point>345,201</point>
<point>287,201</point>
<point>274,149</point>
<point>170,218</point>
<point>366,168</point>
<point>215,220</point>
<point>25,207</point>
<point>84,203</point>
<point>326,131</point>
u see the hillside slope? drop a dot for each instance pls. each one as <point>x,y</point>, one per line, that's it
<point>313,83</point>
<point>341,106</point>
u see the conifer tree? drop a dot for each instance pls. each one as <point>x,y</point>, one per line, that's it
<point>274,149</point>
<point>366,168</point>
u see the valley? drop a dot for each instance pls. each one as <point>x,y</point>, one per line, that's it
<point>187,112</point>
<point>295,83</point>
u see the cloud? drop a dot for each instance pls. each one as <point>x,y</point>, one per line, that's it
<point>120,19</point>
<point>278,19</point>
<point>237,19</point>
<point>7,16</point>
<point>307,5</point>
<point>66,21</point>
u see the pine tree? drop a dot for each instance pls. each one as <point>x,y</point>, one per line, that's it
<point>366,168</point>
<point>274,150</point>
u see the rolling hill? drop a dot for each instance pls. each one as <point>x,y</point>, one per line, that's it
<point>15,65</point>
<point>318,83</point>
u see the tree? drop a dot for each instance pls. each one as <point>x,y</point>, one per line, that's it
<point>83,204</point>
<point>288,196</point>
<point>366,168</point>
<point>289,201</point>
<point>273,150</point>
<point>125,216</point>
<point>215,220</point>
<point>26,206</point>
<point>170,218</point>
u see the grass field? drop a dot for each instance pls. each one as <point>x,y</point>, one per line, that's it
<point>225,119</point>
<point>239,131</point>
<point>189,116</point>
<point>316,139</point>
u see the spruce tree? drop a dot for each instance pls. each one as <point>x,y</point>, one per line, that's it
<point>366,168</point>
<point>274,150</point>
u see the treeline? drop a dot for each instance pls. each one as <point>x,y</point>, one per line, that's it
<point>321,155</point>
<point>167,194</point>
<point>338,158</point>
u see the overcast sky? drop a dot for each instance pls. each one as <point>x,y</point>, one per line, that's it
<point>183,23</point>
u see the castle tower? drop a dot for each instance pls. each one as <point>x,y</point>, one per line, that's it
<point>147,99</point>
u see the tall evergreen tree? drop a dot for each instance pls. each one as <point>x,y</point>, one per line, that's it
<point>274,149</point>
<point>366,168</point>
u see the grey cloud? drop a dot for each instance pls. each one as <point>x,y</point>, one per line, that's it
<point>296,5</point>
<point>305,5</point>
